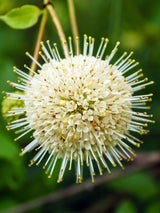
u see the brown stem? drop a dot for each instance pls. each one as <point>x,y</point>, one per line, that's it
<point>73,20</point>
<point>39,39</point>
<point>56,21</point>
<point>142,161</point>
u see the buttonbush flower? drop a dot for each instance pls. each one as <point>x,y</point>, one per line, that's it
<point>81,108</point>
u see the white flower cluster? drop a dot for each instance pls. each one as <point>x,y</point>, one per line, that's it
<point>81,108</point>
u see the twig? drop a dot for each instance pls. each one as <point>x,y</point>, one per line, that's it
<point>39,39</point>
<point>73,20</point>
<point>142,161</point>
<point>56,21</point>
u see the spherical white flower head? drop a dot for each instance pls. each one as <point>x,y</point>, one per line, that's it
<point>81,108</point>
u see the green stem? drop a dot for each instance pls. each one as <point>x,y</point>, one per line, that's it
<point>39,39</point>
<point>56,21</point>
<point>73,20</point>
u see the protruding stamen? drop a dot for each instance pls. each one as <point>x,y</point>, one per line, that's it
<point>129,68</point>
<point>70,165</point>
<point>53,166</point>
<point>65,49</point>
<point>77,45</point>
<point>130,77</point>
<point>27,53</point>
<point>57,52</point>
<point>22,134</point>
<point>122,62</point>
<point>113,52</point>
<point>104,48</point>
<point>43,56</point>
<point>30,146</point>
<point>51,155</point>
<point>70,46</point>
<point>91,46</point>
<point>142,86</point>
<point>100,46</point>
<point>124,54</point>
<point>50,49</point>
<point>45,51</point>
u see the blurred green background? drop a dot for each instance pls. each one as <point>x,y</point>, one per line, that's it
<point>136,24</point>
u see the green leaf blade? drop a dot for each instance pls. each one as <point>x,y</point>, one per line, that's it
<point>138,184</point>
<point>23,17</point>
<point>126,206</point>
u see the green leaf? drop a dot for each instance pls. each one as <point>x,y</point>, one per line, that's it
<point>6,5</point>
<point>8,148</point>
<point>12,168</point>
<point>7,203</point>
<point>154,207</point>
<point>139,184</point>
<point>12,173</point>
<point>126,206</point>
<point>6,74</point>
<point>23,17</point>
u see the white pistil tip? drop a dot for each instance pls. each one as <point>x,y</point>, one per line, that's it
<point>90,83</point>
<point>65,121</point>
<point>103,114</point>
<point>118,43</point>
<point>62,103</point>
<point>106,40</point>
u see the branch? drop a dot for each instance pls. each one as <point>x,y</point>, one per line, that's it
<point>142,161</point>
